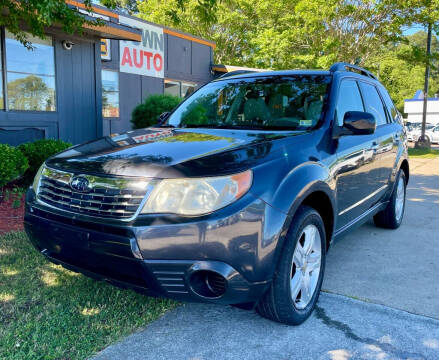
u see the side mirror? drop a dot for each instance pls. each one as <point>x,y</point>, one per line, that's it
<point>357,123</point>
<point>162,117</point>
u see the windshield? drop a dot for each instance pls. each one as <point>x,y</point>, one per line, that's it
<point>293,103</point>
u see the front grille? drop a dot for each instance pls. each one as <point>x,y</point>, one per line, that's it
<point>108,197</point>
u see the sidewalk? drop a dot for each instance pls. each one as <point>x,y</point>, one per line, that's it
<point>397,268</point>
<point>340,329</point>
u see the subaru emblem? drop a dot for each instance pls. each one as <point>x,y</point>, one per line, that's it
<point>80,183</point>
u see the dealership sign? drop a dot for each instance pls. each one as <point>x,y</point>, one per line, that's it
<point>146,57</point>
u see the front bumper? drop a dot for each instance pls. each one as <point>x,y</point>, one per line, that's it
<point>111,253</point>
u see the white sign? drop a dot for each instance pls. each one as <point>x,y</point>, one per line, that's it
<point>146,57</point>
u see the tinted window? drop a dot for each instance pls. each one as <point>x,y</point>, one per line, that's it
<point>390,106</point>
<point>110,93</point>
<point>1,83</point>
<point>349,99</point>
<point>30,74</point>
<point>373,103</point>
<point>296,102</point>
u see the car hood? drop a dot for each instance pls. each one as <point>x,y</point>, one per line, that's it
<point>170,153</point>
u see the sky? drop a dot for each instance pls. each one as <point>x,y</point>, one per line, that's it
<point>413,29</point>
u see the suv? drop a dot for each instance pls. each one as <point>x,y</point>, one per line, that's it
<point>234,197</point>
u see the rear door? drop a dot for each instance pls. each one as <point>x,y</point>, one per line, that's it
<point>386,143</point>
<point>356,170</point>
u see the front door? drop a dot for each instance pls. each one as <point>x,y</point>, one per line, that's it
<point>76,91</point>
<point>356,171</point>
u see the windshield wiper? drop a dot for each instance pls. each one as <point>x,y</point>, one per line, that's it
<point>239,127</point>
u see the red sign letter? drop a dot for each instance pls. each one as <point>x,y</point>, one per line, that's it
<point>138,64</point>
<point>148,59</point>
<point>158,62</point>
<point>126,58</point>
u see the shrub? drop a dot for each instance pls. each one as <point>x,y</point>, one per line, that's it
<point>12,164</point>
<point>146,114</point>
<point>37,152</point>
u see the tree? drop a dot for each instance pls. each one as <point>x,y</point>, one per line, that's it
<point>401,67</point>
<point>284,33</point>
<point>37,16</point>
<point>128,6</point>
<point>30,93</point>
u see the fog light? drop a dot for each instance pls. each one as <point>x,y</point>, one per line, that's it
<point>208,284</point>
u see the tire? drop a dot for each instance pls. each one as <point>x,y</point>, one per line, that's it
<point>391,217</point>
<point>278,303</point>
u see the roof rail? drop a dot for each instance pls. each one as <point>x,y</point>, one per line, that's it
<point>236,72</point>
<point>342,66</point>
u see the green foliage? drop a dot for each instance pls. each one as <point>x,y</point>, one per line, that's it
<point>288,34</point>
<point>423,153</point>
<point>12,164</point>
<point>146,114</point>
<point>37,152</point>
<point>30,93</point>
<point>48,312</point>
<point>37,16</point>
<point>401,68</point>
<point>129,6</point>
<point>285,33</point>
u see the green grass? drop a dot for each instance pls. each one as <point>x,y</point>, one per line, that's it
<point>48,312</point>
<point>424,153</point>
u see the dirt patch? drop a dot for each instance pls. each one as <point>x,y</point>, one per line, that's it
<point>11,211</point>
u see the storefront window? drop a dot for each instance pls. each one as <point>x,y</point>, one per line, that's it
<point>30,74</point>
<point>2,97</point>
<point>178,88</point>
<point>172,88</point>
<point>187,89</point>
<point>110,93</point>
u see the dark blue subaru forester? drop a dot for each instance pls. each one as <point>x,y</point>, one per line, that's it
<point>234,197</point>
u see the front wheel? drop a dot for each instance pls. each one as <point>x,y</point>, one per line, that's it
<point>298,279</point>
<point>391,216</point>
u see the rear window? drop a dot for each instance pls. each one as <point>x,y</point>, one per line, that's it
<point>373,103</point>
<point>393,113</point>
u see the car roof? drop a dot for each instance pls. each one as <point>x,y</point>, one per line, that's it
<point>278,73</point>
<point>286,73</point>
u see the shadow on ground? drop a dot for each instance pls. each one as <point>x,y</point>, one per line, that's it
<point>339,329</point>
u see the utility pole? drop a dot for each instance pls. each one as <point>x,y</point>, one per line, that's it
<point>422,141</point>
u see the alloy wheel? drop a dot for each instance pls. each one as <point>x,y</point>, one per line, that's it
<point>306,266</point>
<point>400,199</point>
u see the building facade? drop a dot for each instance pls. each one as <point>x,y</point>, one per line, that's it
<point>81,88</point>
<point>413,109</point>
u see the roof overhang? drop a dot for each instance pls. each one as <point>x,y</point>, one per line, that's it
<point>111,28</point>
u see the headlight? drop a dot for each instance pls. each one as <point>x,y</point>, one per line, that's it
<point>197,196</point>
<point>37,178</point>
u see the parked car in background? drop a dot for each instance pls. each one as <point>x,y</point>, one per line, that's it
<point>235,197</point>
<point>414,130</point>
<point>431,134</point>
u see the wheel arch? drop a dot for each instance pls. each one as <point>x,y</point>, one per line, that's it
<point>320,197</point>
<point>405,167</point>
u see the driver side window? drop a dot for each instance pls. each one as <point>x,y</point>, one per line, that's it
<point>349,99</point>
